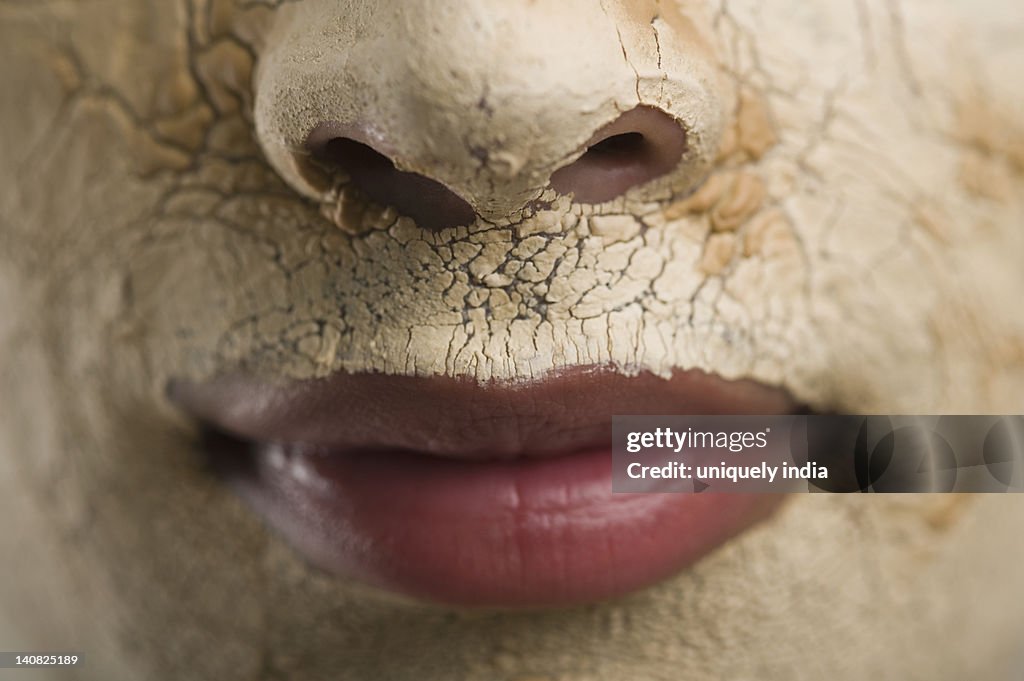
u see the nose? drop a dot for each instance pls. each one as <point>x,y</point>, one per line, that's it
<point>451,111</point>
<point>639,146</point>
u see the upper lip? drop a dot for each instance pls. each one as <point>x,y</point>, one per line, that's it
<point>443,416</point>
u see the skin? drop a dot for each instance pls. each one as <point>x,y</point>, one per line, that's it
<point>846,224</point>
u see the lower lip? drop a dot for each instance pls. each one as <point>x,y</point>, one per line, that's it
<point>522,533</point>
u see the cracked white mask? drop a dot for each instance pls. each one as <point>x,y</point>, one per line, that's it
<point>822,201</point>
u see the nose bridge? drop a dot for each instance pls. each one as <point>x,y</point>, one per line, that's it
<point>487,98</point>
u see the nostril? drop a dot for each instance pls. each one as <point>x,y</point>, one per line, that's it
<point>640,146</point>
<point>625,148</point>
<point>432,205</point>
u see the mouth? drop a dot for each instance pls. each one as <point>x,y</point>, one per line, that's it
<point>468,494</point>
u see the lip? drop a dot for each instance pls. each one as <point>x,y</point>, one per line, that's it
<point>472,494</point>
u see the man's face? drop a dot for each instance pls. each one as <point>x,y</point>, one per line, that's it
<point>831,215</point>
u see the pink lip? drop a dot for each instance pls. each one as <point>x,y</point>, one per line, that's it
<point>468,494</point>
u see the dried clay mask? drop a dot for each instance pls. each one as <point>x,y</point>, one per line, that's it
<point>408,257</point>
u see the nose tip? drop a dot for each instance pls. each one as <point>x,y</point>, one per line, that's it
<point>639,146</point>
<point>429,203</point>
